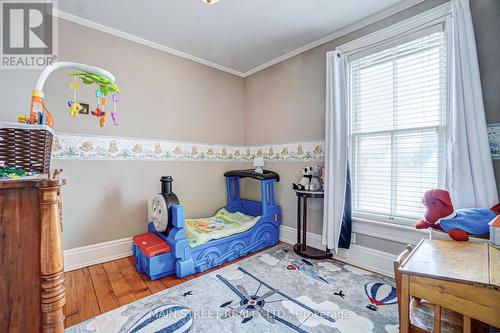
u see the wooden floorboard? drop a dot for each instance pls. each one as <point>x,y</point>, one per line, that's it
<point>134,280</point>
<point>88,306</point>
<point>71,306</point>
<point>171,281</point>
<point>106,297</point>
<point>120,286</point>
<point>100,288</point>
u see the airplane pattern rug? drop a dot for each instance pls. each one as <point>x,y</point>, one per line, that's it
<point>273,291</point>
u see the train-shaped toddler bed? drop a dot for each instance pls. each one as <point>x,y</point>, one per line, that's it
<point>176,245</point>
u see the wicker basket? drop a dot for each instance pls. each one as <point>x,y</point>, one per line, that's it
<point>26,146</point>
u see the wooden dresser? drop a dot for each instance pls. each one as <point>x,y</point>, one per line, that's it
<point>31,256</point>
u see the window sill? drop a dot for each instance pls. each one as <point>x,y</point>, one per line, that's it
<point>388,231</point>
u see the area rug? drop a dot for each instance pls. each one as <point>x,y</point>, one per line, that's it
<point>273,291</point>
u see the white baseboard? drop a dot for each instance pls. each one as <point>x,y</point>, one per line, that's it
<point>289,235</point>
<point>97,253</point>
<point>364,257</point>
<point>361,256</point>
<point>371,259</point>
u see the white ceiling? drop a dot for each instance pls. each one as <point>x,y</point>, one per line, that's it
<point>239,36</point>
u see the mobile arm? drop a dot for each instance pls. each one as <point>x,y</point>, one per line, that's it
<point>86,68</point>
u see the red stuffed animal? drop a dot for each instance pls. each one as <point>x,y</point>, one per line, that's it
<point>459,224</point>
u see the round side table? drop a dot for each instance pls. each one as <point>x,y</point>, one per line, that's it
<point>301,247</point>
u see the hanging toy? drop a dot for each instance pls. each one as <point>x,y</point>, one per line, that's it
<point>114,113</point>
<point>103,118</point>
<point>99,112</point>
<point>99,95</point>
<point>106,84</point>
<point>74,106</point>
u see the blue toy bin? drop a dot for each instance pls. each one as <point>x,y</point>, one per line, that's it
<point>153,255</point>
<point>154,267</point>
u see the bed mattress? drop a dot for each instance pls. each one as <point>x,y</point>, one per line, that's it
<point>222,224</point>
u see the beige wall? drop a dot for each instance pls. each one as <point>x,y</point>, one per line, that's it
<point>162,96</point>
<point>286,102</point>
<point>107,200</point>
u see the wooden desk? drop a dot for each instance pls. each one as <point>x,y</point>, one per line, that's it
<point>460,276</point>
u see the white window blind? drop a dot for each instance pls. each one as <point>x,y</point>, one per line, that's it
<point>397,101</point>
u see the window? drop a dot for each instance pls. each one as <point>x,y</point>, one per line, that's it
<point>397,125</point>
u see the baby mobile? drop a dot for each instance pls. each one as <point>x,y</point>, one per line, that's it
<point>106,87</point>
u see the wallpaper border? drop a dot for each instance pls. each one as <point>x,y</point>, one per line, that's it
<point>89,147</point>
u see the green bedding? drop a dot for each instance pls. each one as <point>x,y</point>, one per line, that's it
<point>223,224</point>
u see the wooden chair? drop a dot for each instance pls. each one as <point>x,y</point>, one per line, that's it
<point>424,316</point>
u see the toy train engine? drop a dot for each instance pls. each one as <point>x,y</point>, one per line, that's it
<point>160,213</point>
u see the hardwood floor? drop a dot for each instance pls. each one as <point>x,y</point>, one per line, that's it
<point>96,289</point>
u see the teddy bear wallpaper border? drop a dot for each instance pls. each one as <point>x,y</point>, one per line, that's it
<point>77,146</point>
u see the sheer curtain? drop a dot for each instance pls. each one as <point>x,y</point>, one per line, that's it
<point>469,171</point>
<point>336,147</point>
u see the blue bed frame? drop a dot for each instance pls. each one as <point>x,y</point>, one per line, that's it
<point>184,260</point>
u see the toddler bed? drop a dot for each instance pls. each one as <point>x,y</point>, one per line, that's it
<point>221,225</point>
<point>188,246</point>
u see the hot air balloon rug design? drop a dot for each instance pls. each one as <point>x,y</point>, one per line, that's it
<point>380,294</point>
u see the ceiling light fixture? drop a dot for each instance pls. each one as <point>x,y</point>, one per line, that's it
<point>210,2</point>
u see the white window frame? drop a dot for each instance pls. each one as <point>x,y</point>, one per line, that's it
<point>440,129</point>
<point>400,230</point>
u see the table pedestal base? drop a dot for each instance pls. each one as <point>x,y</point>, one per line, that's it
<point>311,252</point>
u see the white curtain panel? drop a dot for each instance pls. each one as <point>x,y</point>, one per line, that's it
<point>335,146</point>
<point>469,170</point>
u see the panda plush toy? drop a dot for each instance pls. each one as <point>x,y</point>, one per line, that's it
<point>303,185</point>
<point>311,179</point>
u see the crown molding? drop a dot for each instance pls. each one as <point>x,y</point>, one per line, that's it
<point>422,21</point>
<point>133,38</point>
<point>339,33</point>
